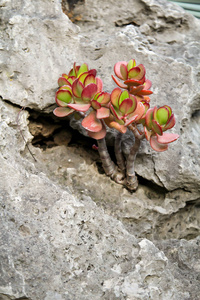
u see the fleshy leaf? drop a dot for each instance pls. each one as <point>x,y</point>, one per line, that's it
<point>155,145</point>
<point>99,84</point>
<point>167,138</point>
<point>134,73</point>
<point>134,90</point>
<point>93,72</point>
<point>103,98</point>
<point>162,115</point>
<point>147,84</point>
<point>120,84</point>
<point>124,71</point>
<point>124,95</point>
<point>130,120</point>
<point>64,96</point>
<point>63,81</point>
<point>139,111</point>
<point>145,92</point>
<point>89,92</point>
<point>131,64</point>
<point>147,133</point>
<point>170,123</point>
<point>80,107</point>
<point>114,97</point>
<point>90,78</point>
<point>133,82</point>
<point>156,127</point>
<point>83,76</point>
<point>83,68</point>
<point>98,135</point>
<point>62,111</point>
<point>169,109</point>
<point>103,113</point>
<point>116,112</point>
<point>117,126</point>
<point>77,88</point>
<point>127,106</point>
<point>95,104</point>
<point>142,71</point>
<point>149,118</point>
<point>117,68</point>
<point>91,122</point>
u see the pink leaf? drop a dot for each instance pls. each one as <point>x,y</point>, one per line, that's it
<point>80,107</point>
<point>99,84</point>
<point>63,81</point>
<point>95,104</point>
<point>117,68</point>
<point>116,112</point>
<point>124,71</point>
<point>149,118</point>
<point>62,111</point>
<point>93,72</point>
<point>155,145</point>
<point>167,138</point>
<point>127,106</point>
<point>77,88</point>
<point>103,113</point>
<point>89,92</point>
<point>120,84</point>
<point>147,133</point>
<point>130,120</point>
<point>103,98</point>
<point>170,123</point>
<point>89,79</point>
<point>134,73</point>
<point>156,127</point>
<point>117,126</point>
<point>139,111</point>
<point>147,84</point>
<point>133,82</point>
<point>98,135</point>
<point>114,97</point>
<point>91,122</point>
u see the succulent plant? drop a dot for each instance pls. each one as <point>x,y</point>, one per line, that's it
<point>81,91</point>
<point>129,109</point>
<point>157,121</point>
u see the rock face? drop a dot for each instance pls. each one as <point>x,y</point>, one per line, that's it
<point>66,230</point>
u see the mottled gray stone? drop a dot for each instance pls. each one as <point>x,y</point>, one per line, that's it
<point>66,230</point>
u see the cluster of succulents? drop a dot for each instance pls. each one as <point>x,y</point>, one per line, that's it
<point>126,107</point>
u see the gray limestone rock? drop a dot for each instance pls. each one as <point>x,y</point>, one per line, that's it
<point>66,230</point>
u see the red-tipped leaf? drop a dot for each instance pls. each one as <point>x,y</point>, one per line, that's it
<point>103,113</point>
<point>91,122</point>
<point>155,145</point>
<point>120,84</point>
<point>89,92</point>
<point>98,135</point>
<point>167,138</point>
<point>80,107</point>
<point>62,111</point>
<point>77,88</point>
<point>117,67</point>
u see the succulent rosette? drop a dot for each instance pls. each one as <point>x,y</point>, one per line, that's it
<point>81,91</point>
<point>157,121</point>
<point>133,79</point>
<point>125,110</point>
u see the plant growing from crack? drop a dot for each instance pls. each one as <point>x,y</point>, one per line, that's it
<point>125,108</point>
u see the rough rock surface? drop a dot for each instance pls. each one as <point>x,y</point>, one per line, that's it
<point>66,230</point>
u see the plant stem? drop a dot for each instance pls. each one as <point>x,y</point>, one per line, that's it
<point>131,178</point>
<point>118,153</point>
<point>109,166</point>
